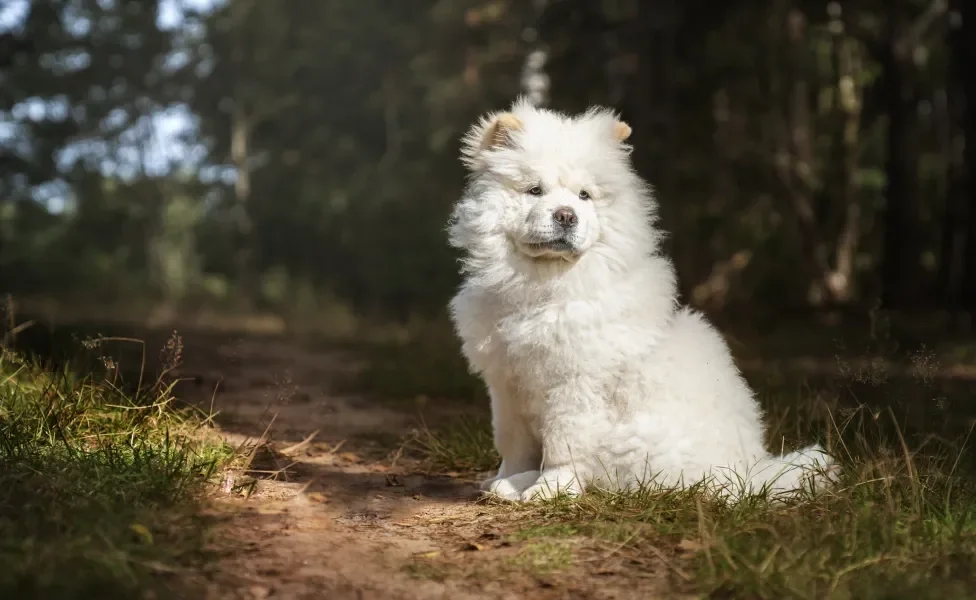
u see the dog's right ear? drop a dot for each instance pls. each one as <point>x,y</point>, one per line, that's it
<point>489,133</point>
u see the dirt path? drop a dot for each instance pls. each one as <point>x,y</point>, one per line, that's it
<point>344,515</point>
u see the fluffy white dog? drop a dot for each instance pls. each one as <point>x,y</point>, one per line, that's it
<point>568,312</point>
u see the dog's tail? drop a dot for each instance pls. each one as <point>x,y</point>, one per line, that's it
<point>809,470</point>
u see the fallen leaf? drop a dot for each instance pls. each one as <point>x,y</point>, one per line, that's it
<point>260,592</point>
<point>318,497</point>
<point>350,457</point>
<point>142,531</point>
<point>430,554</point>
<point>688,546</point>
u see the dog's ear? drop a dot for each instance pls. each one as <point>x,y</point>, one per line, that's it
<point>605,121</point>
<point>489,133</point>
<point>500,130</point>
<point>621,131</point>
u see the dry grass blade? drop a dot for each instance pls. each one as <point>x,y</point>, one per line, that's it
<point>102,485</point>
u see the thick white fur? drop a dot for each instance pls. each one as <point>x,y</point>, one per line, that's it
<point>596,375</point>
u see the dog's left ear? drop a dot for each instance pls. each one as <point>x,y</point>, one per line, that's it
<point>491,132</point>
<point>621,131</point>
<point>606,121</point>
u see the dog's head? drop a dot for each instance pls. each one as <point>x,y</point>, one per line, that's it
<point>549,187</point>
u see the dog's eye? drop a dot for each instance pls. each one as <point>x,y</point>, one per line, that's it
<point>584,195</point>
<point>534,191</point>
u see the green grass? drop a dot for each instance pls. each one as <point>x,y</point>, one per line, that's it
<point>543,557</point>
<point>466,445</point>
<point>99,489</point>
<point>902,524</point>
<point>887,532</point>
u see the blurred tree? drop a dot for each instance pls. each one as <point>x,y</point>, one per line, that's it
<point>806,153</point>
<point>963,192</point>
<point>78,99</point>
<point>330,127</point>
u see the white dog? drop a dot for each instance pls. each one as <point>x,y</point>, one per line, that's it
<point>568,312</point>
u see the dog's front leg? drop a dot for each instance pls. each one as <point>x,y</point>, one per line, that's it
<point>518,446</point>
<point>570,433</point>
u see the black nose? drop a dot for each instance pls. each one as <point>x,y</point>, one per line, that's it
<point>565,217</point>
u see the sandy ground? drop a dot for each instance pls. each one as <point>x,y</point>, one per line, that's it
<point>345,514</point>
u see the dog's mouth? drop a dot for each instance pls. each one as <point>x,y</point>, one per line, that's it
<point>552,246</point>
<point>559,246</point>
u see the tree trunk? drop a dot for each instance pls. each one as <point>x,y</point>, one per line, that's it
<point>535,80</point>
<point>840,280</point>
<point>952,262</point>
<point>964,53</point>
<point>900,273</point>
<point>796,160</point>
<point>240,154</point>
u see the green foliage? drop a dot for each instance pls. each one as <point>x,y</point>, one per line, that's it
<point>762,126</point>
<point>98,489</point>
<point>463,446</point>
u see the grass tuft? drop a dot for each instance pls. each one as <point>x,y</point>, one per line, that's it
<point>465,446</point>
<point>887,532</point>
<point>544,557</point>
<point>99,489</point>
<point>901,524</point>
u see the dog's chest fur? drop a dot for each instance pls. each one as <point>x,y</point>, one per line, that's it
<point>535,349</point>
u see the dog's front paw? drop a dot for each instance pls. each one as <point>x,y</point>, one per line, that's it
<point>510,488</point>
<point>550,486</point>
